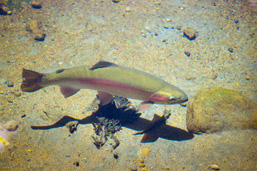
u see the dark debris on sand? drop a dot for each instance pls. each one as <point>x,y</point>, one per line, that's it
<point>110,119</point>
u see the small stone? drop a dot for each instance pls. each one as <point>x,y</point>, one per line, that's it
<point>115,1</point>
<point>157,3</point>
<point>189,33</point>
<point>143,31</point>
<point>166,26</point>
<point>168,20</point>
<point>76,163</point>
<point>72,126</point>
<point>10,84</point>
<point>11,125</point>
<point>36,5</point>
<point>214,167</point>
<point>142,165</point>
<point>128,9</point>
<point>3,9</point>
<point>231,50</point>
<point>10,100</point>
<point>17,94</point>
<point>179,27</point>
<point>40,36</point>
<point>116,155</point>
<point>187,53</point>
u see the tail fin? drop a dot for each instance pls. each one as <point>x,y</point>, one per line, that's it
<point>31,80</point>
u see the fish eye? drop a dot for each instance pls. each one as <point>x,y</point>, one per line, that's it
<point>172,99</point>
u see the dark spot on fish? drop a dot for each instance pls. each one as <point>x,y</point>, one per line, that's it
<point>59,71</point>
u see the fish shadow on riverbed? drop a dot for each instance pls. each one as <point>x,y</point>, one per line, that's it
<point>128,117</point>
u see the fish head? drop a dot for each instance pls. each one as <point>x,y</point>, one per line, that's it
<point>169,95</point>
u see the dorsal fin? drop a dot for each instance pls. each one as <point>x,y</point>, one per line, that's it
<point>102,64</point>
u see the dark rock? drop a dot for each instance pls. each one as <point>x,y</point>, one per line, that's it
<point>36,5</point>
<point>187,53</point>
<point>215,109</point>
<point>40,36</point>
<point>115,1</point>
<point>10,84</point>
<point>3,9</point>
<point>231,50</point>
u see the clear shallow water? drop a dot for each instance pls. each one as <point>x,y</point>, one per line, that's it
<point>82,33</point>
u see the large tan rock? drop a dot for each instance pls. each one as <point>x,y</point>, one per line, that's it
<point>215,109</point>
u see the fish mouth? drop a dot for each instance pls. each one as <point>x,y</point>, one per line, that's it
<point>183,100</point>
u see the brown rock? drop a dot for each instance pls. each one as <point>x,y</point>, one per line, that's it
<point>35,28</point>
<point>40,36</point>
<point>190,33</point>
<point>3,9</point>
<point>215,109</point>
<point>11,125</point>
<point>36,5</point>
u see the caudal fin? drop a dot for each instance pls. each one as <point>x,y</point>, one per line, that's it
<point>31,80</point>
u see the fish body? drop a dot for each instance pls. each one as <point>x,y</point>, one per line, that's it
<point>108,78</point>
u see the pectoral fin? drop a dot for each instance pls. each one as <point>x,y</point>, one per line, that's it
<point>144,106</point>
<point>158,97</point>
<point>67,91</point>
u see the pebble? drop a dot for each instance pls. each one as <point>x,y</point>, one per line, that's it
<point>231,50</point>
<point>189,33</point>
<point>214,167</point>
<point>10,84</point>
<point>187,53</point>
<point>166,26</point>
<point>127,9</point>
<point>115,1</point>
<point>3,9</point>
<point>36,5</point>
<point>179,27</point>
<point>11,125</point>
<point>168,20</point>
<point>40,36</point>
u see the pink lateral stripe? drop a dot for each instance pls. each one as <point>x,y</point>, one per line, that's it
<point>99,83</point>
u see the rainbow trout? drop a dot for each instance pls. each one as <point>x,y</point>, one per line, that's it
<point>108,79</point>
